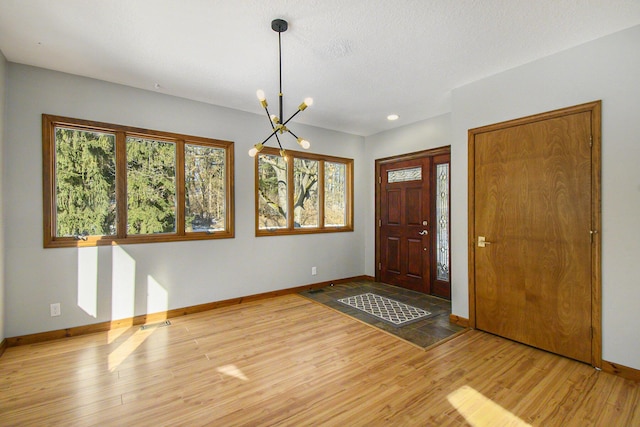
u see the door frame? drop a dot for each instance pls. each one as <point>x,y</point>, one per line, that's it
<point>378,181</point>
<point>594,108</point>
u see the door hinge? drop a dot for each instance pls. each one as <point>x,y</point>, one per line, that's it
<point>593,232</point>
<point>379,180</point>
<point>379,266</point>
<point>590,140</point>
<point>379,223</point>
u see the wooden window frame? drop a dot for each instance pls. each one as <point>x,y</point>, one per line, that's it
<point>50,122</point>
<point>321,228</point>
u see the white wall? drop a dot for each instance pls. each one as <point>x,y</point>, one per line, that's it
<point>606,69</point>
<point>3,79</point>
<point>420,136</point>
<point>114,282</point>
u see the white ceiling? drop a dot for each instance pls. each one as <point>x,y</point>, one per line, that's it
<point>359,59</point>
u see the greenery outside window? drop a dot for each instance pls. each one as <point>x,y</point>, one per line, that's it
<point>151,186</point>
<point>316,189</point>
<point>111,184</point>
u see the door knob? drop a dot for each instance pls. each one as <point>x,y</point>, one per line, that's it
<point>423,233</point>
<point>482,242</point>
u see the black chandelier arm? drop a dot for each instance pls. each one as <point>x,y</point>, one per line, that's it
<point>272,127</point>
<point>269,137</point>
<point>266,109</point>
<point>274,133</point>
<point>292,116</point>
<point>278,139</point>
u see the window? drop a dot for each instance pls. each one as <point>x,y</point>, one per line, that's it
<point>335,190</point>
<point>304,193</point>
<point>442,221</point>
<point>151,186</point>
<point>106,184</point>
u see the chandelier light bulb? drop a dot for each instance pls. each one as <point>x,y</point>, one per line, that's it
<point>304,143</point>
<point>260,95</point>
<point>256,149</point>
<point>307,102</point>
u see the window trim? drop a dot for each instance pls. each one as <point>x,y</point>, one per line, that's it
<point>290,229</point>
<point>50,122</point>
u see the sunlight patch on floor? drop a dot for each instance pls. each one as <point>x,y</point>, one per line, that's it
<point>124,350</point>
<point>480,411</point>
<point>114,334</point>
<point>233,371</point>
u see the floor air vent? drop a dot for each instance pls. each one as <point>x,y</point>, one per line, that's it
<point>155,325</point>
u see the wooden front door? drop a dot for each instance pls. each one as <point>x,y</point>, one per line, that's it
<point>405,223</point>
<point>412,216</point>
<point>534,211</point>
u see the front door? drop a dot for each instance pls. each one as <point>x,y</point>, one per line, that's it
<point>405,221</point>
<point>412,215</point>
<point>532,229</point>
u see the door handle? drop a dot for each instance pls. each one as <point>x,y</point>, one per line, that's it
<point>423,233</point>
<point>482,242</point>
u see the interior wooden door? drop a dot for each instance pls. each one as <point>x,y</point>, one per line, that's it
<point>532,204</point>
<point>405,240</point>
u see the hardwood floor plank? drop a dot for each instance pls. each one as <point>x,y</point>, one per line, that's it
<point>289,361</point>
<point>59,414</point>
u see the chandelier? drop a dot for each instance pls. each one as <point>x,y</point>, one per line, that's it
<point>278,125</point>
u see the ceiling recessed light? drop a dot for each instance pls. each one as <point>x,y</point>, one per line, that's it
<point>392,117</point>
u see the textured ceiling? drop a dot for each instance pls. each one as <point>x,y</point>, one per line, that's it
<point>359,59</point>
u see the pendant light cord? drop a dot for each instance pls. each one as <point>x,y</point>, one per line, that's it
<point>281,117</point>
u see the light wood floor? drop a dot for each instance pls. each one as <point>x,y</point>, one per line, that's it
<point>290,361</point>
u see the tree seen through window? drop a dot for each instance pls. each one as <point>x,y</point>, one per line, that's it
<point>85,186</point>
<point>106,184</point>
<point>317,191</point>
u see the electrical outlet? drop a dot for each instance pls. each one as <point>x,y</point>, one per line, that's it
<point>314,271</point>
<point>55,309</point>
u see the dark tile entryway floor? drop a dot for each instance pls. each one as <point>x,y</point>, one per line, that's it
<point>423,333</point>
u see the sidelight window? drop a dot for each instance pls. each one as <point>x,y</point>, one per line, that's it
<point>442,221</point>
